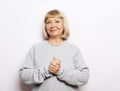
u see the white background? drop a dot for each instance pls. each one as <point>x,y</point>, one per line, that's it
<point>94,27</point>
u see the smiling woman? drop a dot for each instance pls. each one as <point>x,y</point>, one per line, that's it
<point>54,64</point>
<point>54,27</point>
<point>56,18</point>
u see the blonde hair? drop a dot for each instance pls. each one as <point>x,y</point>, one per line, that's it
<point>56,13</point>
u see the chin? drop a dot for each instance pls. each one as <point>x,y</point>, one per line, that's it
<point>54,35</point>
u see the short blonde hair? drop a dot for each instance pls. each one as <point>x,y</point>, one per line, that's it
<point>56,13</point>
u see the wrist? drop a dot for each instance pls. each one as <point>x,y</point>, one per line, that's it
<point>60,71</point>
<point>47,71</point>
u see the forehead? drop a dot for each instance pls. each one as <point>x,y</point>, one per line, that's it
<point>54,18</point>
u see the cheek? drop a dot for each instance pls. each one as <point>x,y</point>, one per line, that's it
<point>46,27</point>
<point>46,30</point>
<point>61,26</point>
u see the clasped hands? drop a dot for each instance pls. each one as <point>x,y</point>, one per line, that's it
<point>54,66</point>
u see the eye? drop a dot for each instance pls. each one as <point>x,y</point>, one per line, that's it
<point>47,22</point>
<point>57,21</point>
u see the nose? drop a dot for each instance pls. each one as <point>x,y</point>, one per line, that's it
<point>52,24</point>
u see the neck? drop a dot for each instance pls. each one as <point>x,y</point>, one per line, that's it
<point>55,41</point>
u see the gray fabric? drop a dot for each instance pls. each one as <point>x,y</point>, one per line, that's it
<point>73,71</point>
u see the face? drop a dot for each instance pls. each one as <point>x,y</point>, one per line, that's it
<point>54,27</point>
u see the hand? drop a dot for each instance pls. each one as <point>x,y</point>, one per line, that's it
<point>54,66</point>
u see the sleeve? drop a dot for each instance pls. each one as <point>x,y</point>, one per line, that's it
<point>78,76</point>
<point>31,75</point>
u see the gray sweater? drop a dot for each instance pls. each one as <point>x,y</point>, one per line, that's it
<point>73,71</point>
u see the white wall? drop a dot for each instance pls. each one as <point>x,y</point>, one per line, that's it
<point>95,28</point>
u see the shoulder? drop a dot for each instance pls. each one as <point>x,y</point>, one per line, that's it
<point>72,48</point>
<point>38,45</point>
<point>72,45</point>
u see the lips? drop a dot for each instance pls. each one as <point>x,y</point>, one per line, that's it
<point>52,30</point>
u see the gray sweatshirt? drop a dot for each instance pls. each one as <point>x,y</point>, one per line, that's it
<point>73,71</point>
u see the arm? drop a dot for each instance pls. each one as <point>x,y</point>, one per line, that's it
<point>31,75</point>
<point>77,76</point>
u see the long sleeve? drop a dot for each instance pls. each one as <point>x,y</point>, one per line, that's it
<point>77,76</point>
<point>29,73</point>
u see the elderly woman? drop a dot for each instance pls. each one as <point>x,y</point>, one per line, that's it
<point>54,64</point>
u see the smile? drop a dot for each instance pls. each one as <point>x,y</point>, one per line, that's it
<point>52,30</point>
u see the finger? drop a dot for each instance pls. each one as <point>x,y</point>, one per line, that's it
<point>53,62</point>
<point>54,66</point>
<point>57,60</point>
<point>52,70</point>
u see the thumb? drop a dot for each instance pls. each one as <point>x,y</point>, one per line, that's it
<point>57,60</point>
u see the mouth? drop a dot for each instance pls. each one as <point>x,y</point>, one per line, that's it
<point>53,30</point>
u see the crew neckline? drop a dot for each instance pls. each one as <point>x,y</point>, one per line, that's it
<point>55,45</point>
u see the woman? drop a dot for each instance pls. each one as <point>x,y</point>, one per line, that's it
<point>54,64</point>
